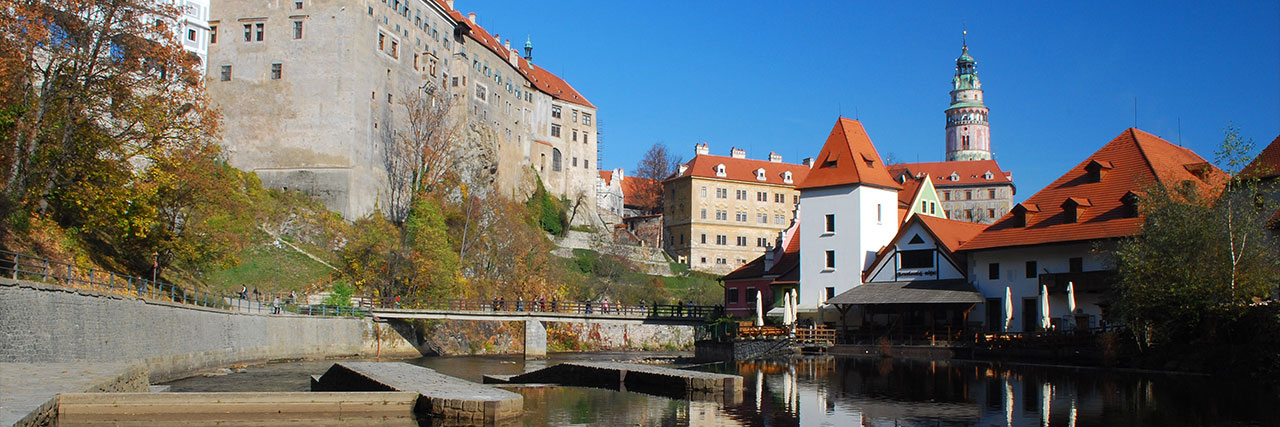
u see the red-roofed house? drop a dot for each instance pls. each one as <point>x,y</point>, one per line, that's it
<point>1266,169</point>
<point>848,211</point>
<point>973,190</point>
<point>1052,238</point>
<point>769,276</point>
<point>721,212</point>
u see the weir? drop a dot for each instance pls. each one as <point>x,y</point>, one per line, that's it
<point>439,395</point>
<point>656,380</point>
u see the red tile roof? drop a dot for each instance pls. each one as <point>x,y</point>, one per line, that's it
<point>785,268</point>
<point>1266,165</point>
<point>967,173</point>
<point>949,233</point>
<point>848,157</point>
<point>735,169</point>
<point>542,79</point>
<point>607,176</point>
<point>632,186</point>
<point>910,188</point>
<point>1139,159</point>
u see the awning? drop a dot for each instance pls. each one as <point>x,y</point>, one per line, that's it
<point>915,292</point>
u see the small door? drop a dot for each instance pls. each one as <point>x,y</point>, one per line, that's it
<point>1030,315</point>
<point>995,314</point>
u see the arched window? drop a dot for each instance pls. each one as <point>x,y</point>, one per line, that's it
<point>760,174</point>
<point>786,177</point>
<point>555,160</point>
<point>720,170</point>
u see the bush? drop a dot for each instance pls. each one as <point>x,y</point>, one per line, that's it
<point>340,295</point>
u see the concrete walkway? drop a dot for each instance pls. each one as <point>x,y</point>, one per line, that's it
<point>28,391</point>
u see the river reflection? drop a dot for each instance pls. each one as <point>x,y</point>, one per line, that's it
<point>851,391</point>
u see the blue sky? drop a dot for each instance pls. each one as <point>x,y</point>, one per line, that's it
<point>1060,78</point>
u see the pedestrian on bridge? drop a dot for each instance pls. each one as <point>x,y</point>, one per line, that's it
<point>244,292</point>
<point>680,308</point>
<point>275,305</point>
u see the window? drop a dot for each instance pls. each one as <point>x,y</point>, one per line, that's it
<point>740,216</point>
<point>1031,269</point>
<point>795,200</point>
<point>991,213</point>
<point>575,135</point>
<point>226,73</point>
<point>259,29</point>
<point>704,191</point>
<point>381,39</point>
<point>722,239</point>
<point>762,242</point>
<point>762,218</point>
<point>933,208</point>
<point>879,213</point>
<point>786,177</point>
<point>704,260</point>
<point>831,292</point>
<point>762,196</point>
<point>555,159</point>
<point>993,271</point>
<point>778,197</point>
<point>297,29</point>
<point>991,194</point>
<point>779,219</point>
<point>704,216</point>
<point>575,162</point>
<point>248,32</point>
<point>703,240</point>
<point>297,5</point>
<point>586,119</point>
<point>946,195</point>
<point>395,49</point>
<point>742,240</point>
<point>731,295</point>
<point>915,259</point>
<point>751,295</point>
<point>722,193</point>
<point>741,194</point>
<point>276,71</point>
<point>213,34</point>
<point>575,116</point>
<point>968,214</point>
<point>191,34</point>
<point>555,131</point>
<point>968,195</point>
<point>1076,265</point>
<point>555,111</point>
<point>831,223</point>
<point>720,170</point>
<point>831,260</point>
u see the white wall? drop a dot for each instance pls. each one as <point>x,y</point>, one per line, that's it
<point>1049,258</point>
<point>857,237</point>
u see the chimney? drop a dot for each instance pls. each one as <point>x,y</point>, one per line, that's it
<point>768,257</point>
<point>472,17</point>
<point>738,153</point>
<point>775,157</point>
<point>808,161</point>
<point>507,44</point>
<point>701,149</point>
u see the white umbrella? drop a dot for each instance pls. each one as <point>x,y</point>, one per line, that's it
<point>1071,301</point>
<point>759,309</point>
<point>759,388</point>
<point>1008,307</point>
<point>786,308</point>
<point>795,305</point>
<point>1044,307</point>
<point>1046,395</point>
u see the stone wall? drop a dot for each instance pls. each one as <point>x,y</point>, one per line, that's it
<point>617,337</point>
<point>43,323</point>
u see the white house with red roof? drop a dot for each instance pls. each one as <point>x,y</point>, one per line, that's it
<point>849,210</point>
<point>1059,235</point>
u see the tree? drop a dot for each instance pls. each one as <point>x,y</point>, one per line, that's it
<point>657,165</point>
<point>419,157</point>
<point>1199,261</point>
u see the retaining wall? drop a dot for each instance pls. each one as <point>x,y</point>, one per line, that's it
<point>42,323</point>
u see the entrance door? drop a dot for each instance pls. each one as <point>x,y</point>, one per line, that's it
<point>1030,315</point>
<point>995,314</point>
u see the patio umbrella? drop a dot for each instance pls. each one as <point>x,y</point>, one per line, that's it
<point>759,309</point>
<point>1008,307</point>
<point>1071,297</point>
<point>788,312</point>
<point>1046,395</point>
<point>1044,307</point>
<point>795,305</point>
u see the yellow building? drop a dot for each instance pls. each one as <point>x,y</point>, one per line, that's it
<point>721,212</point>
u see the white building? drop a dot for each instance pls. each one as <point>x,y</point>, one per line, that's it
<point>609,196</point>
<point>193,28</point>
<point>1052,239</point>
<point>849,210</point>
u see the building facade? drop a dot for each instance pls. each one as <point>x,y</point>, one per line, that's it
<point>193,28</point>
<point>313,94</point>
<point>721,212</point>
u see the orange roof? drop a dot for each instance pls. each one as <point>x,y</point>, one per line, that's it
<point>607,176</point>
<point>540,78</point>
<point>784,268</point>
<point>1266,165</point>
<point>848,157</point>
<point>971,172</point>
<point>735,169</point>
<point>632,186</point>
<point>951,233</point>
<point>1138,159</point>
<point>910,188</point>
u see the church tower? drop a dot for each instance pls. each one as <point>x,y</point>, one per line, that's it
<point>968,133</point>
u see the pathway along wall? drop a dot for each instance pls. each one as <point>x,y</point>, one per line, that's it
<point>43,323</point>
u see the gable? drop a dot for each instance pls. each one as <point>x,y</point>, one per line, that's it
<point>848,158</point>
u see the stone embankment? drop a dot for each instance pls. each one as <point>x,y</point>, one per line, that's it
<point>656,380</point>
<point>440,396</point>
<point>29,391</point>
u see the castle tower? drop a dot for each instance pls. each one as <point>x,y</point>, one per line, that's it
<point>968,133</point>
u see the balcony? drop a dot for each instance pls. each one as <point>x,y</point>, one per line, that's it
<point>1084,282</point>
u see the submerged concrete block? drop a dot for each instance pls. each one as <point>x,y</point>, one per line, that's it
<point>440,395</point>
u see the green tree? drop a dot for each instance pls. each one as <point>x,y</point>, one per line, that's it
<point>435,264</point>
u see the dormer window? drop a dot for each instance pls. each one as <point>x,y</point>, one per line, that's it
<point>786,177</point>
<point>1130,201</point>
<point>954,176</point>
<point>1073,209</point>
<point>760,176</point>
<point>1095,170</point>
<point>1200,170</point>
<point>988,176</point>
<point>870,163</point>
<point>1023,214</point>
<point>720,170</point>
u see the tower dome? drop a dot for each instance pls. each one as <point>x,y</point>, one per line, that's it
<point>968,133</point>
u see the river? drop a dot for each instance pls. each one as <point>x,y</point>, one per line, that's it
<point>848,391</point>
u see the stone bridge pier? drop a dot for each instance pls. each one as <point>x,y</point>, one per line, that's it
<point>535,340</point>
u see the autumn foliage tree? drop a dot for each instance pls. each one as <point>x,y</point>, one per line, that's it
<point>657,165</point>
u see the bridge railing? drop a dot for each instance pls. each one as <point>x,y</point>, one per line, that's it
<point>649,311</point>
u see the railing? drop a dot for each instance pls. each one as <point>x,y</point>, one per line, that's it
<point>25,267</point>
<point>820,335</point>
<point>647,311</point>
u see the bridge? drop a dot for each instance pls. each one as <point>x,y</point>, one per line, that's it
<point>535,313</point>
